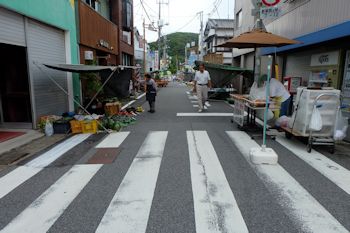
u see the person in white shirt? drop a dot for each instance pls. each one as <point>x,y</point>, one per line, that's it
<point>278,90</point>
<point>201,84</point>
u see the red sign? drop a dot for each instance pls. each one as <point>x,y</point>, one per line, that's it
<point>271,2</point>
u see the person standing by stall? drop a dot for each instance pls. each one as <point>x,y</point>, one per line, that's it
<point>151,92</point>
<point>279,92</point>
<point>202,82</point>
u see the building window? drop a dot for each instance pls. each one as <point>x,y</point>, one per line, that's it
<point>93,4</point>
<point>127,15</point>
<point>126,59</point>
<point>239,17</point>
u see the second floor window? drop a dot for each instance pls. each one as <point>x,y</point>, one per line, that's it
<point>239,17</point>
<point>93,4</point>
<point>127,15</point>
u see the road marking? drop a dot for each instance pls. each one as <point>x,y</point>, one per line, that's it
<point>188,93</point>
<point>194,97</point>
<point>46,209</point>
<point>128,104</point>
<point>140,96</point>
<point>130,207</point>
<point>194,101</point>
<point>310,214</point>
<point>208,114</point>
<point>207,104</point>
<point>195,105</point>
<point>215,207</point>
<point>18,176</point>
<point>113,140</point>
<point>333,171</point>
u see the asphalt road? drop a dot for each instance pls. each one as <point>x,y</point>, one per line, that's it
<point>176,174</point>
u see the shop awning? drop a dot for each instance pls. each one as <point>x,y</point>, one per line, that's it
<point>79,68</point>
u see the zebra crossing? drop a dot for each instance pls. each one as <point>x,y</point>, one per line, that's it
<point>215,204</point>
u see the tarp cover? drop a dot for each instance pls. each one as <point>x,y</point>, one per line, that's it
<point>79,68</point>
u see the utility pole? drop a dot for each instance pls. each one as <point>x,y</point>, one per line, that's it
<point>144,46</point>
<point>201,36</point>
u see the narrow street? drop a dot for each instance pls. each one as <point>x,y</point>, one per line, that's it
<point>175,174</point>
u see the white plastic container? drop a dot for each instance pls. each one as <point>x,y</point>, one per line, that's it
<point>303,107</point>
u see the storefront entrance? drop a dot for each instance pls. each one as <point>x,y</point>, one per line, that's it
<point>15,104</point>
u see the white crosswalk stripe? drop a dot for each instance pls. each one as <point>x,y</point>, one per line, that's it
<point>333,171</point>
<point>214,203</point>
<point>302,205</point>
<point>215,211</point>
<point>113,140</point>
<point>47,208</point>
<point>130,206</point>
<point>21,174</point>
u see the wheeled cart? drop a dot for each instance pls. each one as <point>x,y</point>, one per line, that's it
<point>328,103</point>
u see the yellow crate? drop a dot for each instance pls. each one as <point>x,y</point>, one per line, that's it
<point>89,126</point>
<point>75,126</point>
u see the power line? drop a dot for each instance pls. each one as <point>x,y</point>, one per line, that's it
<point>185,25</point>
<point>146,13</point>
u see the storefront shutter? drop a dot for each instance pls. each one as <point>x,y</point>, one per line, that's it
<point>46,45</point>
<point>11,28</point>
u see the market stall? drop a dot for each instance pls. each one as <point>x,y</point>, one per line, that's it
<point>79,124</point>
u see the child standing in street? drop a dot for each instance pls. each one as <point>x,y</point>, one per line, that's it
<point>151,92</point>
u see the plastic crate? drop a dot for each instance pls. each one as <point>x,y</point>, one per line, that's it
<point>89,126</point>
<point>76,126</point>
<point>61,127</point>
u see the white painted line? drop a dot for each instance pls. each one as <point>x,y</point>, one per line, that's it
<point>194,97</point>
<point>188,93</point>
<point>215,211</point>
<point>140,96</point>
<point>48,207</point>
<point>303,207</point>
<point>128,104</point>
<point>333,171</point>
<point>129,209</point>
<point>194,101</point>
<point>113,140</point>
<point>18,176</point>
<point>207,104</point>
<point>207,114</point>
<point>195,105</point>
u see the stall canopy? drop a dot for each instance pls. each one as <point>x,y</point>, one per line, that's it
<point>79,68</point>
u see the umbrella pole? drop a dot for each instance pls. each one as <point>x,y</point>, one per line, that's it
<point>254,64</point>
<point>267,100</point>
<point>263,155</point>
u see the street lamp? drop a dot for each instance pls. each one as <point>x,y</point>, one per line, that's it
<point>151,28</point>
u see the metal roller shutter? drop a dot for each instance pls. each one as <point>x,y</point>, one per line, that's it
<point>298,65</point>
<point>11,28</point>
<point>46,45</point>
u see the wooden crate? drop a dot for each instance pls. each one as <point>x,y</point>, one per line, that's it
<point>112,108</point>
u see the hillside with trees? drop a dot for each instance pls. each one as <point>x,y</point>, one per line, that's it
<point>176,43</point>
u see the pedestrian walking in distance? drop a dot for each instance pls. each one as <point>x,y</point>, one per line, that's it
<point>151,92</point>
<point>201,84</point>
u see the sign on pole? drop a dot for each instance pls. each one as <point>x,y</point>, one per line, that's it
<point>270,12</point>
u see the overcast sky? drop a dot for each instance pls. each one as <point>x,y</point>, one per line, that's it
<point>180,14</point>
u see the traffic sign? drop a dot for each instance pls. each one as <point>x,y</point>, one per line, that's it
<point>270,2</point>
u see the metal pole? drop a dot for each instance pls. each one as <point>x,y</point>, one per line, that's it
<point>267,99</point>
<point>144,47</point>
<point>159,33</point>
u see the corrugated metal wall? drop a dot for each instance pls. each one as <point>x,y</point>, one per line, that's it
<point>311,17</point>
<point>46,45</point>
<point>11,28</point>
